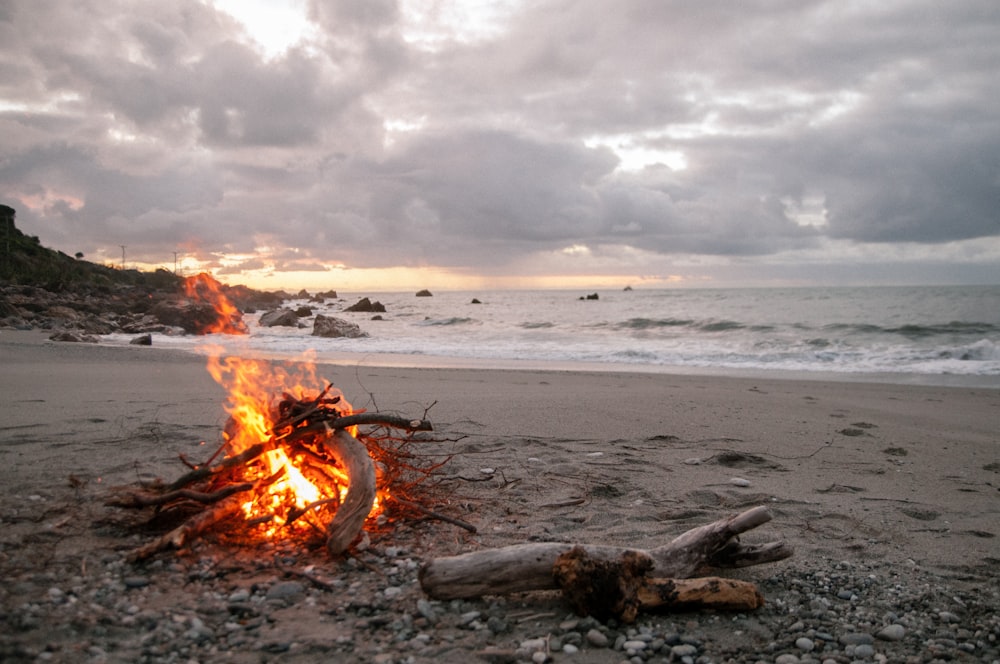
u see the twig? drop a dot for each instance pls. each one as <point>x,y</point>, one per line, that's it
<point>143,499</point>
<point>434,515</point>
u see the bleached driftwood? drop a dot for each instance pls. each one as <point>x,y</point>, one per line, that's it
<point>351,455</point>
<point>524,567</point>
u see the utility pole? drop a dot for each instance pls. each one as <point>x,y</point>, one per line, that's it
<point>123,255</point>
<point>175,262</point>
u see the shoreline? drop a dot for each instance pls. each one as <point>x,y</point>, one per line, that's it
<point>422,361</point>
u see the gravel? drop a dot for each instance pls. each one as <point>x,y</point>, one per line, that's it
<point>69,595</point>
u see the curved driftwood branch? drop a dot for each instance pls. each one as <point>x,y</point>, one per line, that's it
<point>351,455</point>
<point>524,567</point>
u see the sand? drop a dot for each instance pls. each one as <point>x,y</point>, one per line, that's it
<point>851,471</point>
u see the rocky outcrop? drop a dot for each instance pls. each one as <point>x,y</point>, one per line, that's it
<point>280,317</point>
<point>424,293</point>
<point>328,326</point>
<point>196,317</point>
<point>364,305</point>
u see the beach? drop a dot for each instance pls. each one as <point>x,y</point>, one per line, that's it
<point>896,481</point>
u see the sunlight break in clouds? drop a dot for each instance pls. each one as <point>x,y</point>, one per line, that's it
<point>274,25</point>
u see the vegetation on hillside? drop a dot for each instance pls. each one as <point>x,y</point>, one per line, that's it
<point>24,261</point>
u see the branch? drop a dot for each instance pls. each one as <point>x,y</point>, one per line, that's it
<point>525,567</point>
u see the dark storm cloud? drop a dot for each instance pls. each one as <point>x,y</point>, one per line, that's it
<point>160,122</point>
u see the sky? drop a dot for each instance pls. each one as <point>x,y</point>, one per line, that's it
<point>481,144</point>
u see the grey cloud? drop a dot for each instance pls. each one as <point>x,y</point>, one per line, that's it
<point>884,112</point>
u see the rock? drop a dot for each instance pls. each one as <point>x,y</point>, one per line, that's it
<point>864,651</point>
<point>787,658</point>
<point>592,296</point>
<point>366,306</point>
<point>285,590</point>
<point>195,317</point>
<point>804,644</point>
<point>424,293</point>
<point>328,326</point>
<point>279,317</point>
<point>304,311</point>
<point>143,340</point>
<point>597,638</point>
<point>894,632</point>
<point>475,300</point>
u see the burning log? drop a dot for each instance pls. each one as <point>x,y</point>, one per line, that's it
<point>357,503</point>
<point>555,565</point>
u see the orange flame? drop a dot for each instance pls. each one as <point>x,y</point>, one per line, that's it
<point>203,288</point>
<point>251,385</point>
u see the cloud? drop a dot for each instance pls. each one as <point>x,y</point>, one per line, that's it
<point>437,133</point>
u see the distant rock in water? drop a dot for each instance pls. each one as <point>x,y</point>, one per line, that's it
<point>279,317</point>
<point>592,296</point>
<point>475,300</point>
<point>326,295</point>
<point>328,326</point>
<point>628,288</point>
<point>142,340</point>
<point>424,293</point>
<point>367,306</point>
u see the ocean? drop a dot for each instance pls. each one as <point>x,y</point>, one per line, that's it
<point>940,335</point>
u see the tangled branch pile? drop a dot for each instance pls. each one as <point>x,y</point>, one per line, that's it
<point>311,476</point>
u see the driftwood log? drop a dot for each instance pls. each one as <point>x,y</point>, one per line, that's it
<point>646,578</point>
<point>351,455</point>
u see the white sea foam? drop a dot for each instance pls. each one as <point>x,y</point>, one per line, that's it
<point>902,333</point>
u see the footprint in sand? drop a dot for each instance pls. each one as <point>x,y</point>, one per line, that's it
<point>744,460</point>
<point>920,514</point>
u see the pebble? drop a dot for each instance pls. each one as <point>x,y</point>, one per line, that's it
<point>530,645</point>
<point>285,590</point>
<point>894,632</point>
<point>864,651</point>
<point>804,644</point>
<point>597,638</point>
<point>683,650</point>
<point>739,481</point>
